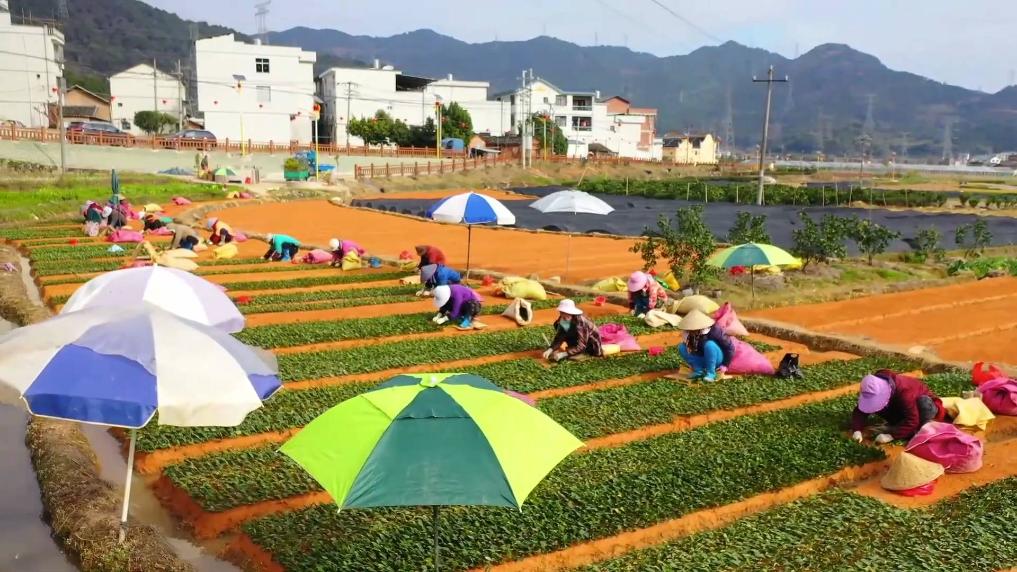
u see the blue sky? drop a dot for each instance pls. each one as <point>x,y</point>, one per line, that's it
<point>972,43</point>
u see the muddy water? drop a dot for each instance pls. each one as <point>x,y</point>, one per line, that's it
<point>25,542</point>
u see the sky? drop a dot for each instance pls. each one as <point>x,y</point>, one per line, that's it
<point>972,44</point>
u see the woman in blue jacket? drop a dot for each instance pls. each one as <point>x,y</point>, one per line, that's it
<point>706,346</point>
<point>434,275</point>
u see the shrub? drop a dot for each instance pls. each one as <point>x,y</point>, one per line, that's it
<point>153,121</point>
<point>686,243</point>
<point>819,242</point>
<point>973,238</point>
<point>749,228</point>
<point>926,245</point>
<point>291,164</point>
<point>872,238</point>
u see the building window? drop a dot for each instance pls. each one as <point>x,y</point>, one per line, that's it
<point>561,100</point>
<point>125,125</point>
<point>264,93</point>
<point>261,65</point>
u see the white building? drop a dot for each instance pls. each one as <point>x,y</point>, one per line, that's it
<point>362,92</point>
<point>31,63</point>
<point>255,92</point>
<point>143,88</point>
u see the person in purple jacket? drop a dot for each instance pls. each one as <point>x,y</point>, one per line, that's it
<point>458,303</point>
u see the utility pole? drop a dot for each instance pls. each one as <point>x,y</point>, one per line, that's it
<point>180,98</point>
<point>155,87</point>
<point>522,123</point>
<point>349,96</point>
<point>61,88</point>
<point>769,81</point>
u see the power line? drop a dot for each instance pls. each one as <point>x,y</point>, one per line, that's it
<point>688,22</point>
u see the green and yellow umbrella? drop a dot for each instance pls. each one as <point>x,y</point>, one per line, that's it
<point>431,439</point>
<point>751,254</point>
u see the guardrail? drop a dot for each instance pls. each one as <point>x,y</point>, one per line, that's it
<point>415,169</point>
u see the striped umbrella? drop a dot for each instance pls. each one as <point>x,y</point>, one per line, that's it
<point>447,439</point>
<point>182,293</point>
<point>120,367</point>
<point>751,254</point>
<point>470,209</point>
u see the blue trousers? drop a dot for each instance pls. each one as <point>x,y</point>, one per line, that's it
<point>708,362</point>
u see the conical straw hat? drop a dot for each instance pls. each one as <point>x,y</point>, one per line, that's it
<point>909,471</point>
<point>695,320</point>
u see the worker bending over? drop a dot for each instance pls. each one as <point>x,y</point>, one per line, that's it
<point>457,303</point>
<point>183,236</point>
<point>645,293</point>
<point>904,402</point>
<point>222,233</point>
<point>706,347</point>
<point>434,275</point>
<point>429,255</point>
<point>575,335</point>
<point>281,247</point>
<point>340,248</point>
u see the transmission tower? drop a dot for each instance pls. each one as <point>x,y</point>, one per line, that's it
<point>729,134</point>
<point>948,141</point>
<point>261,15</point>
<point>870,122</point>
<point>904,144</point>
<point>789,101</point>
<point>62,13</point>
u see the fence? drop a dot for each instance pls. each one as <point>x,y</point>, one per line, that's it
<point>42,134</point>
<point>415,169</point>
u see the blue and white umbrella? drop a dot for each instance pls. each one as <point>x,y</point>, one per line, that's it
<point>181,293</point>
<point>120,367</point>
<point>470,209</point>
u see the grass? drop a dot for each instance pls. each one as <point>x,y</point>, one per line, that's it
<point>34,198</point>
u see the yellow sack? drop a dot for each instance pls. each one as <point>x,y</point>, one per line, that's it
<point>697,302</point>
<point>408,265</point>
<point>414,279</point>
<point>518,287</point>
<point>671,281</point>
<point>612,284</point>
<point>766,269</point>
<point>225,251</point>
<point>971,412</point>
<point>152,208</point>
<point>796,265</point>
<point>351,261</point>
<point>611,349</point>
<point>660,318</point>
<point>184,264</point>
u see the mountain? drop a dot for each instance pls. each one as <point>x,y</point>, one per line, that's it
<point>823,108</point>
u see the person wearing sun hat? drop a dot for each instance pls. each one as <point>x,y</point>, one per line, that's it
<point>281,247</point>
<point>221,232</point>
<point>434,275</point>
<point>909,472</point>
<point>706,347</point>
<point>904,402</point>
<point>456,302</point>
<point>645,293</point>
<point>575,335</point>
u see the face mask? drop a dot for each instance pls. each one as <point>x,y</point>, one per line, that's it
<point>565,324</point>
<point>704,331</point>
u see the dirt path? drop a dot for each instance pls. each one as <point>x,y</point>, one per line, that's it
<point>972,321</point>
<point>502,250</point>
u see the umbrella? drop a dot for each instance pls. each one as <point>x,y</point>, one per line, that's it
<point>750,254</point>
<point>114,184</point>
<point>431,439</point>
<point>471,208</point>
<point>575,202</point>
<point>181,293</point>
<point>120,367</point>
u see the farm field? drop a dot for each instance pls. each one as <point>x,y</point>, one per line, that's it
<point>675,474</point>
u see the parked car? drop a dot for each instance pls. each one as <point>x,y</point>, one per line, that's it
<point>97,132</point>
<point>190,139</point>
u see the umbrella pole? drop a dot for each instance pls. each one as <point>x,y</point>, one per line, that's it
<point>127,485</point>
<point>752,281</point>
<point>434,512</point>
<point>568,259</point>
<point>469,248</point>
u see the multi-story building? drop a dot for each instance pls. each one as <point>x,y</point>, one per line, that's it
<point>144,88</point>
<point>694,149</point>
<point>361,92</point>
<point>255,92</point>
<point>31,57</point>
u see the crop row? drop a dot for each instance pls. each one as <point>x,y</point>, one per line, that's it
<point>327,304</point>
<point>57,267</point>
<point>322,295</point>
<point>616,410</point>
<point>405,353</point>
<point>593,495</point>
<point>328,280</point>
<point>289,409</point>
<point>28,233</point>
<point>843,531</point>
<point>304,333</point>
<point>80,252</point>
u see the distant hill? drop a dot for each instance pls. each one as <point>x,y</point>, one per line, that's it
<point>822,109</point>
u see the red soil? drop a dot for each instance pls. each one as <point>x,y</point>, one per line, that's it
<point>502,250</point>
<point>973,321</point>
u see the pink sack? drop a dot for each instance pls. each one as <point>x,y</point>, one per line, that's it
<point>1000,396</point>
<point>727,319</point>
<point>161,231</point>
<point>947,445</point>
<point>348,245</point>
<point>617,334</point>
<point>239,237</point>
<point>125,235</point>
<point>140,264</point>
<point>246,195</point>
<point>317,256</point>
<point>747,360</point>
<point>181,201</point>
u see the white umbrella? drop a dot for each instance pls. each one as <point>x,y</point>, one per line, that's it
<point>575,202</point>
<point>182,293</point>
<point>470,209</point>
<point>119,367</point>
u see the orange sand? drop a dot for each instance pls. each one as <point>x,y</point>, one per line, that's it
<point>501,250</point>
<point>962,322</point>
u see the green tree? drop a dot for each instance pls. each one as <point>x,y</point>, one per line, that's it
<point>871,238</point>
<point>973,237</point>
<point>456,122</point>
<point>749,228</point>
<point>558,144</point>
<point>926,244</point>
<point>379,130</point>
<point>685,243</point>
<point>423,135</point>
<point>819,242</point>
<point>154,121</point>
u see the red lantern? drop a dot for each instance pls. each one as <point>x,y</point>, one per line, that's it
<point>164,102</point>
<point>216,102</point>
